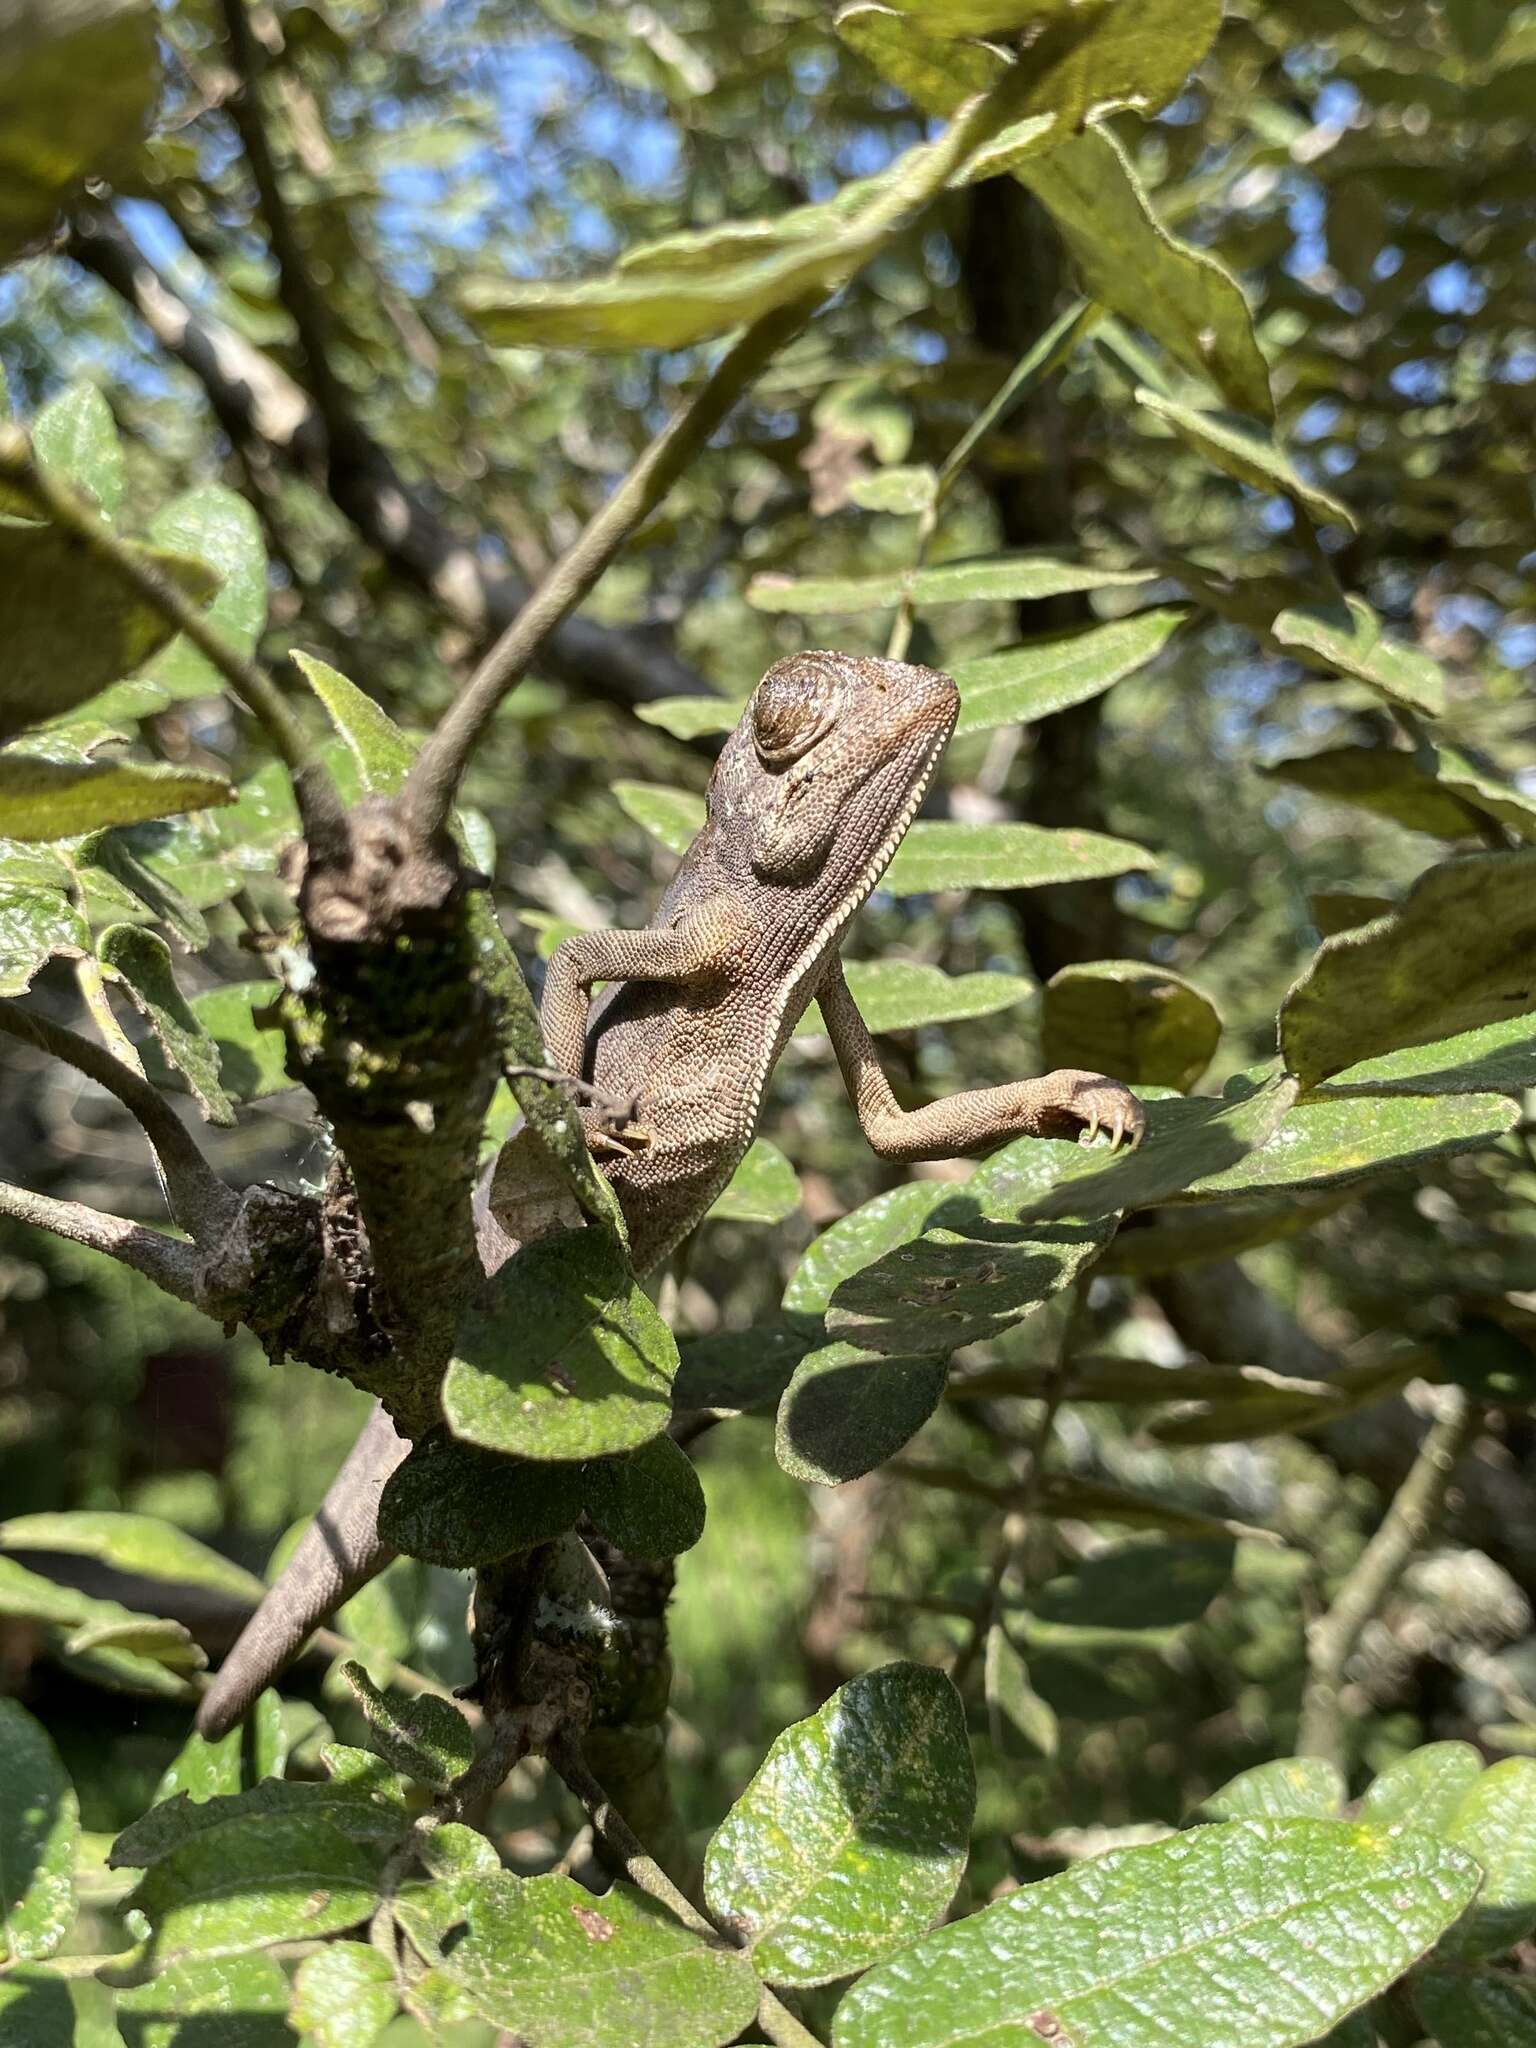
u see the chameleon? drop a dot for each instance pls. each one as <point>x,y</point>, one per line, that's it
<point>809,799</point>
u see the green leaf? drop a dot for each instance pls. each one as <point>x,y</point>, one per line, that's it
<point>1386,781</point>
<point>1458,954</point>
<point>426,1738</point>
<point>1291,1788</point>
<point>74,438</point>
<point>63,1613</point>
<point>742,1370</point>
<point>1495,1821</point>
<point>252,1055</point>
<point>1353,642</point>
<point>1329,1139</point>
<point>344,1996</point>
<point>689,718</point>
<point>1133,1021</point>
<point>36,2010</point>
<point>252,1882</point>
<point>1127,259</point>
<point>1133,1586</point>
<point>458,1506</point>
<point>109,860</point>
<point>57,799</point>
<point>853,1835</point>
<point>847,1410</point>
<point>214,525</point>
<point>70,626</point>
<point>1340,910</point>
<point>904,995</point>
<point>77,93</point>
<point>1208,1927</point>
<point>363,1800</point>
<point>571,1360</point>
<point>1188,1142</point>
<point>241,2001</point>
<point>1247,451</point>
<point>381,750</point>
<point>35,925</point>
<point>141,961</point>
<point>859,1238</point>
<point>1022,684</point>
<point>39,1834</point>
<point>204,1770</point>
<point>1476,2008</point>
<point>763,1189</point>
<point>901,491</point>
<point>1023,1727</point>
<point>649,1502</point>
<point>1423,1789</point>
<point>1008,579</point>
<point>674,816</point>
<point>559,1968</point>
<point>142,1545</point>
<point>940,856</point>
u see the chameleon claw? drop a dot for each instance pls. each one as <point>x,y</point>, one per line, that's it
<point>1087,1136</point>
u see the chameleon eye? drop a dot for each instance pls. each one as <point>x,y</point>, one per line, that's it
<point>795,706</point>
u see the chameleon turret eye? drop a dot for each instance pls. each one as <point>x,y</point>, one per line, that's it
<point>795,706</point>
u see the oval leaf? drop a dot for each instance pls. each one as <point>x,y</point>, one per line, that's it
<point>1022,684</point>
<point>649,1503</point>
<point>847,1410</point>
<point>1125,1018</point>
<point>881,1791</point>
<point>455,1505</point>
<point>39,1835</point>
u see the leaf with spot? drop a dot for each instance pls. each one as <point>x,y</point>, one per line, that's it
<point>847,1410</point>
<point>853,1835</point>
<point>1005,579</point>
<point>559,1968</point>
<point>859,1238</point>
<point>59,799</point>
<point>39,1835</point>
<point>763,1189</point>
<point>1020,685</point>
<point>648,1502</point>
<point>139,961</point>
<point>426,1738</point>
<point>1263,1932</point>
<point>571,1360</point>
<point>1128,1019</point>
<point>1290,1788</point>
<point>1352,641</point>
<point>70,626</point>
<point>458,1506</point>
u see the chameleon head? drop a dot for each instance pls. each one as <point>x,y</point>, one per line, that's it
<point>833,750</point>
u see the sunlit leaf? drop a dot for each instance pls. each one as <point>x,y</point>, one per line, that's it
<point>937,856</point>
<point>1353,643</point>
<point>57,799</point>
<point>74,438</point>
<point>763,1189</point>
<point>1247,451</point>
<point>1019,685</point>
<point>140,961</point>
<point>39,1829</point>
<point>1005,579</point>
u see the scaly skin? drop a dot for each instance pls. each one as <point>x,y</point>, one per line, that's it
<point>809,800</point>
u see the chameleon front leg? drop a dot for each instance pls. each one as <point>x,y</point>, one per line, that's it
<point>696,946</point>
<point>1060,1105</point>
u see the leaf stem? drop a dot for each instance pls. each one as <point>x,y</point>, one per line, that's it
<point>439,767</point>
<point>1406,1527</point>
<point>246,678</point>
<point>202,1203</point>
<point>647,1875</point>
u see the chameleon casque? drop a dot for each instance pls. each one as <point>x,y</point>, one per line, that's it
<point>810,798</point>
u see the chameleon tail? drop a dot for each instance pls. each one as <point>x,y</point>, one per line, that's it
<point>337,1555</point>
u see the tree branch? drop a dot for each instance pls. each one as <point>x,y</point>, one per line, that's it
<point>268,416</point>
<point>202,1204</point>
<point>435,774</point>
<point>247,679</point>
<point>173,1266</point>
<point>1405,1528</point>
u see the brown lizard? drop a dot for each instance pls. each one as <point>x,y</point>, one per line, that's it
<point>810,798</point>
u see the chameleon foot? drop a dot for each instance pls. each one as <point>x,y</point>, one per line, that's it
<point>1090,1103</point>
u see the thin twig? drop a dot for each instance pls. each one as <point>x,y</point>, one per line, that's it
<point>1015,1525</point>
<point>172,1265</point>
<point>1405,1528</point>
<point>142,573</point>
<point>435,775</point>
<point>202,1203</point>
<point>647,1875</point>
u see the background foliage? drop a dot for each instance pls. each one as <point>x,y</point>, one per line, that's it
<point>1237,586</point>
